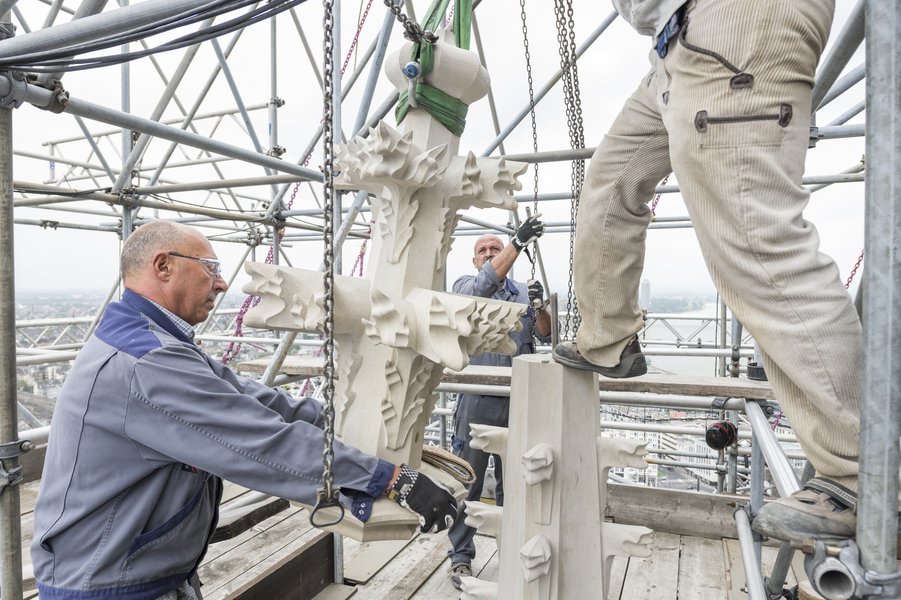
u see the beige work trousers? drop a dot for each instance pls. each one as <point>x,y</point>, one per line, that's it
<point>728,111</point>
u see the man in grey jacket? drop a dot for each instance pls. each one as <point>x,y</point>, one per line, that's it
<point>493,262</point>
<point>727,108</point>
<point>146,426</point>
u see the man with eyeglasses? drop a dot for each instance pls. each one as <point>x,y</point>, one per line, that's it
<point>147,426</point>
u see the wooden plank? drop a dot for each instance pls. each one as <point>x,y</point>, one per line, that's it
<point>409,570</point>
<point>421,570</point>
<point>251,548</point>
<point>484,566</point>
<point>336,591</point>
<point>672,511</point>
<point>290,515</point>
<point>301,575</point>
<point>655,577</point>
<point>618,568</point>
<point>701,569</point>
<point>370,559</point>
<point>237,522</point>
<point>736,580</point>
<point>732,387</point>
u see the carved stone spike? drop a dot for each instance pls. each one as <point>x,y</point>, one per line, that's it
<point>535,558</point>
<point>616,452</point>
<point>488,438</point>
<point>447,326</point>
<point>486,518</point>
<point>538,471</point>
<point>392,320</point>
<point>623,540</point>
<point>472,588</point>
<point>292,299</point>
<point>626,540</point>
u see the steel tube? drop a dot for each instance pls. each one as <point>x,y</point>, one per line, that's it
<point>96,26</point>
<point>42,98</point>
<point>749,559</point>
<point>134,154</point>
<point>10,524</point>
<point>842,49</point>
<point>880,416</point>
<point>783,475</point>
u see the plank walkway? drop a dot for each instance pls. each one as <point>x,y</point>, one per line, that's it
<point>309,366</point>
<point>681,567</point>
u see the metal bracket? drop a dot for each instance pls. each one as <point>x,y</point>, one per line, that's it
<point>814,137</point>
<point>835,572</point>
<point>18,89</point>
<point>719,403</point>
<point>12,450</point>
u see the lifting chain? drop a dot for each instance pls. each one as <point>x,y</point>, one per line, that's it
<point>566,38</point>
<point>328,494</point>
<point>525,42</point>
<point>412,30</point>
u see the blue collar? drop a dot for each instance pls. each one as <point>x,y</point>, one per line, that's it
<point>145,306</point>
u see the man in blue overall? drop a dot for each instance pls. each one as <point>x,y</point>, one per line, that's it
<point>147,426</point>
<point>493,261</point>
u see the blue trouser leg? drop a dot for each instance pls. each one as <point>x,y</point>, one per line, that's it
<point>484,410</point>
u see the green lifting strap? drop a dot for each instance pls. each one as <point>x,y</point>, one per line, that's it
<point>450,112</point>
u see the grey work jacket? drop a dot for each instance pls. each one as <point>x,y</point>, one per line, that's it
<point>145,426</point>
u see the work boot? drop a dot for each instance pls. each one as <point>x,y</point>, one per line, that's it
<point>457,572</point>
<point>631,362</point>
<point>809,514</point>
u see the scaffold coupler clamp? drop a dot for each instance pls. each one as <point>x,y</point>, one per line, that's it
<point>836,573</point>
<point>9,451</point>
<point>18,89</point>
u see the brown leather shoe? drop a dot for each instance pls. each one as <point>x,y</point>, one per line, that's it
<point>631,362</point>
<point>806,516</point>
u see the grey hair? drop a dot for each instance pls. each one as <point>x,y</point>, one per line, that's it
<point>140,247</point>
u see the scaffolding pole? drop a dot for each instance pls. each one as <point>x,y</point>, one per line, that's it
<point>880,419</point>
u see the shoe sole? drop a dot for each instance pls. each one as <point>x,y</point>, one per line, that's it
<point>798,539</point>
<point>633,366</point>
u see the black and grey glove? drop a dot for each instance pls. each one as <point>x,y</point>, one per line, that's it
<point>435,506</point>
<point>530,230</point>
<point>536,294</point>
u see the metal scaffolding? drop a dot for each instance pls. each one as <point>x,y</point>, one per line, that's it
<point>213,150</point>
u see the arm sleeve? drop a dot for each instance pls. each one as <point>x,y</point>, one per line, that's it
<point>179,407</point>
<point>482,284</point>
<point>290,408</point>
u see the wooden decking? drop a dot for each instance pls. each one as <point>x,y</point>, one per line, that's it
<point>681,567</point>
<point>308,366</point>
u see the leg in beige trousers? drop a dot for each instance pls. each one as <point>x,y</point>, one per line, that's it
<point>730,108</point>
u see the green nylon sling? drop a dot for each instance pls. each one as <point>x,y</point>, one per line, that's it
<point>449,111</point>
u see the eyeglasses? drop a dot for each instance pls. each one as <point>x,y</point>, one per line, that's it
<point>210,265</point>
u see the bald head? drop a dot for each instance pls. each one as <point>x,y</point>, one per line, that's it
<point>487,247</point>
<point>148,240</point>
<point>173,265</point>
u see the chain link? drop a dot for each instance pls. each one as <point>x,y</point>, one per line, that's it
<point>412,30</point>
<point>854,270</point>
<point>566,39</point>
<point>528,55</point>
<point>328,495</point>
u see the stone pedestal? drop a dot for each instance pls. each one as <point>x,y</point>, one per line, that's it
<point>554,542</point>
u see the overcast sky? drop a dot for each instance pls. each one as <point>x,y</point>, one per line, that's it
<point>608,72</point>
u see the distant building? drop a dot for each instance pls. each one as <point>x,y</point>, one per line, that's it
<point>644,294</point>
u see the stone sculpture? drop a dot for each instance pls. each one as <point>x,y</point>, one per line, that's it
<point>394,333</point>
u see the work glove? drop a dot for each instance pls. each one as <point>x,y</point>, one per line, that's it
<point>434,505</point>
<point>530,230</point>
<point>536,294</point>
